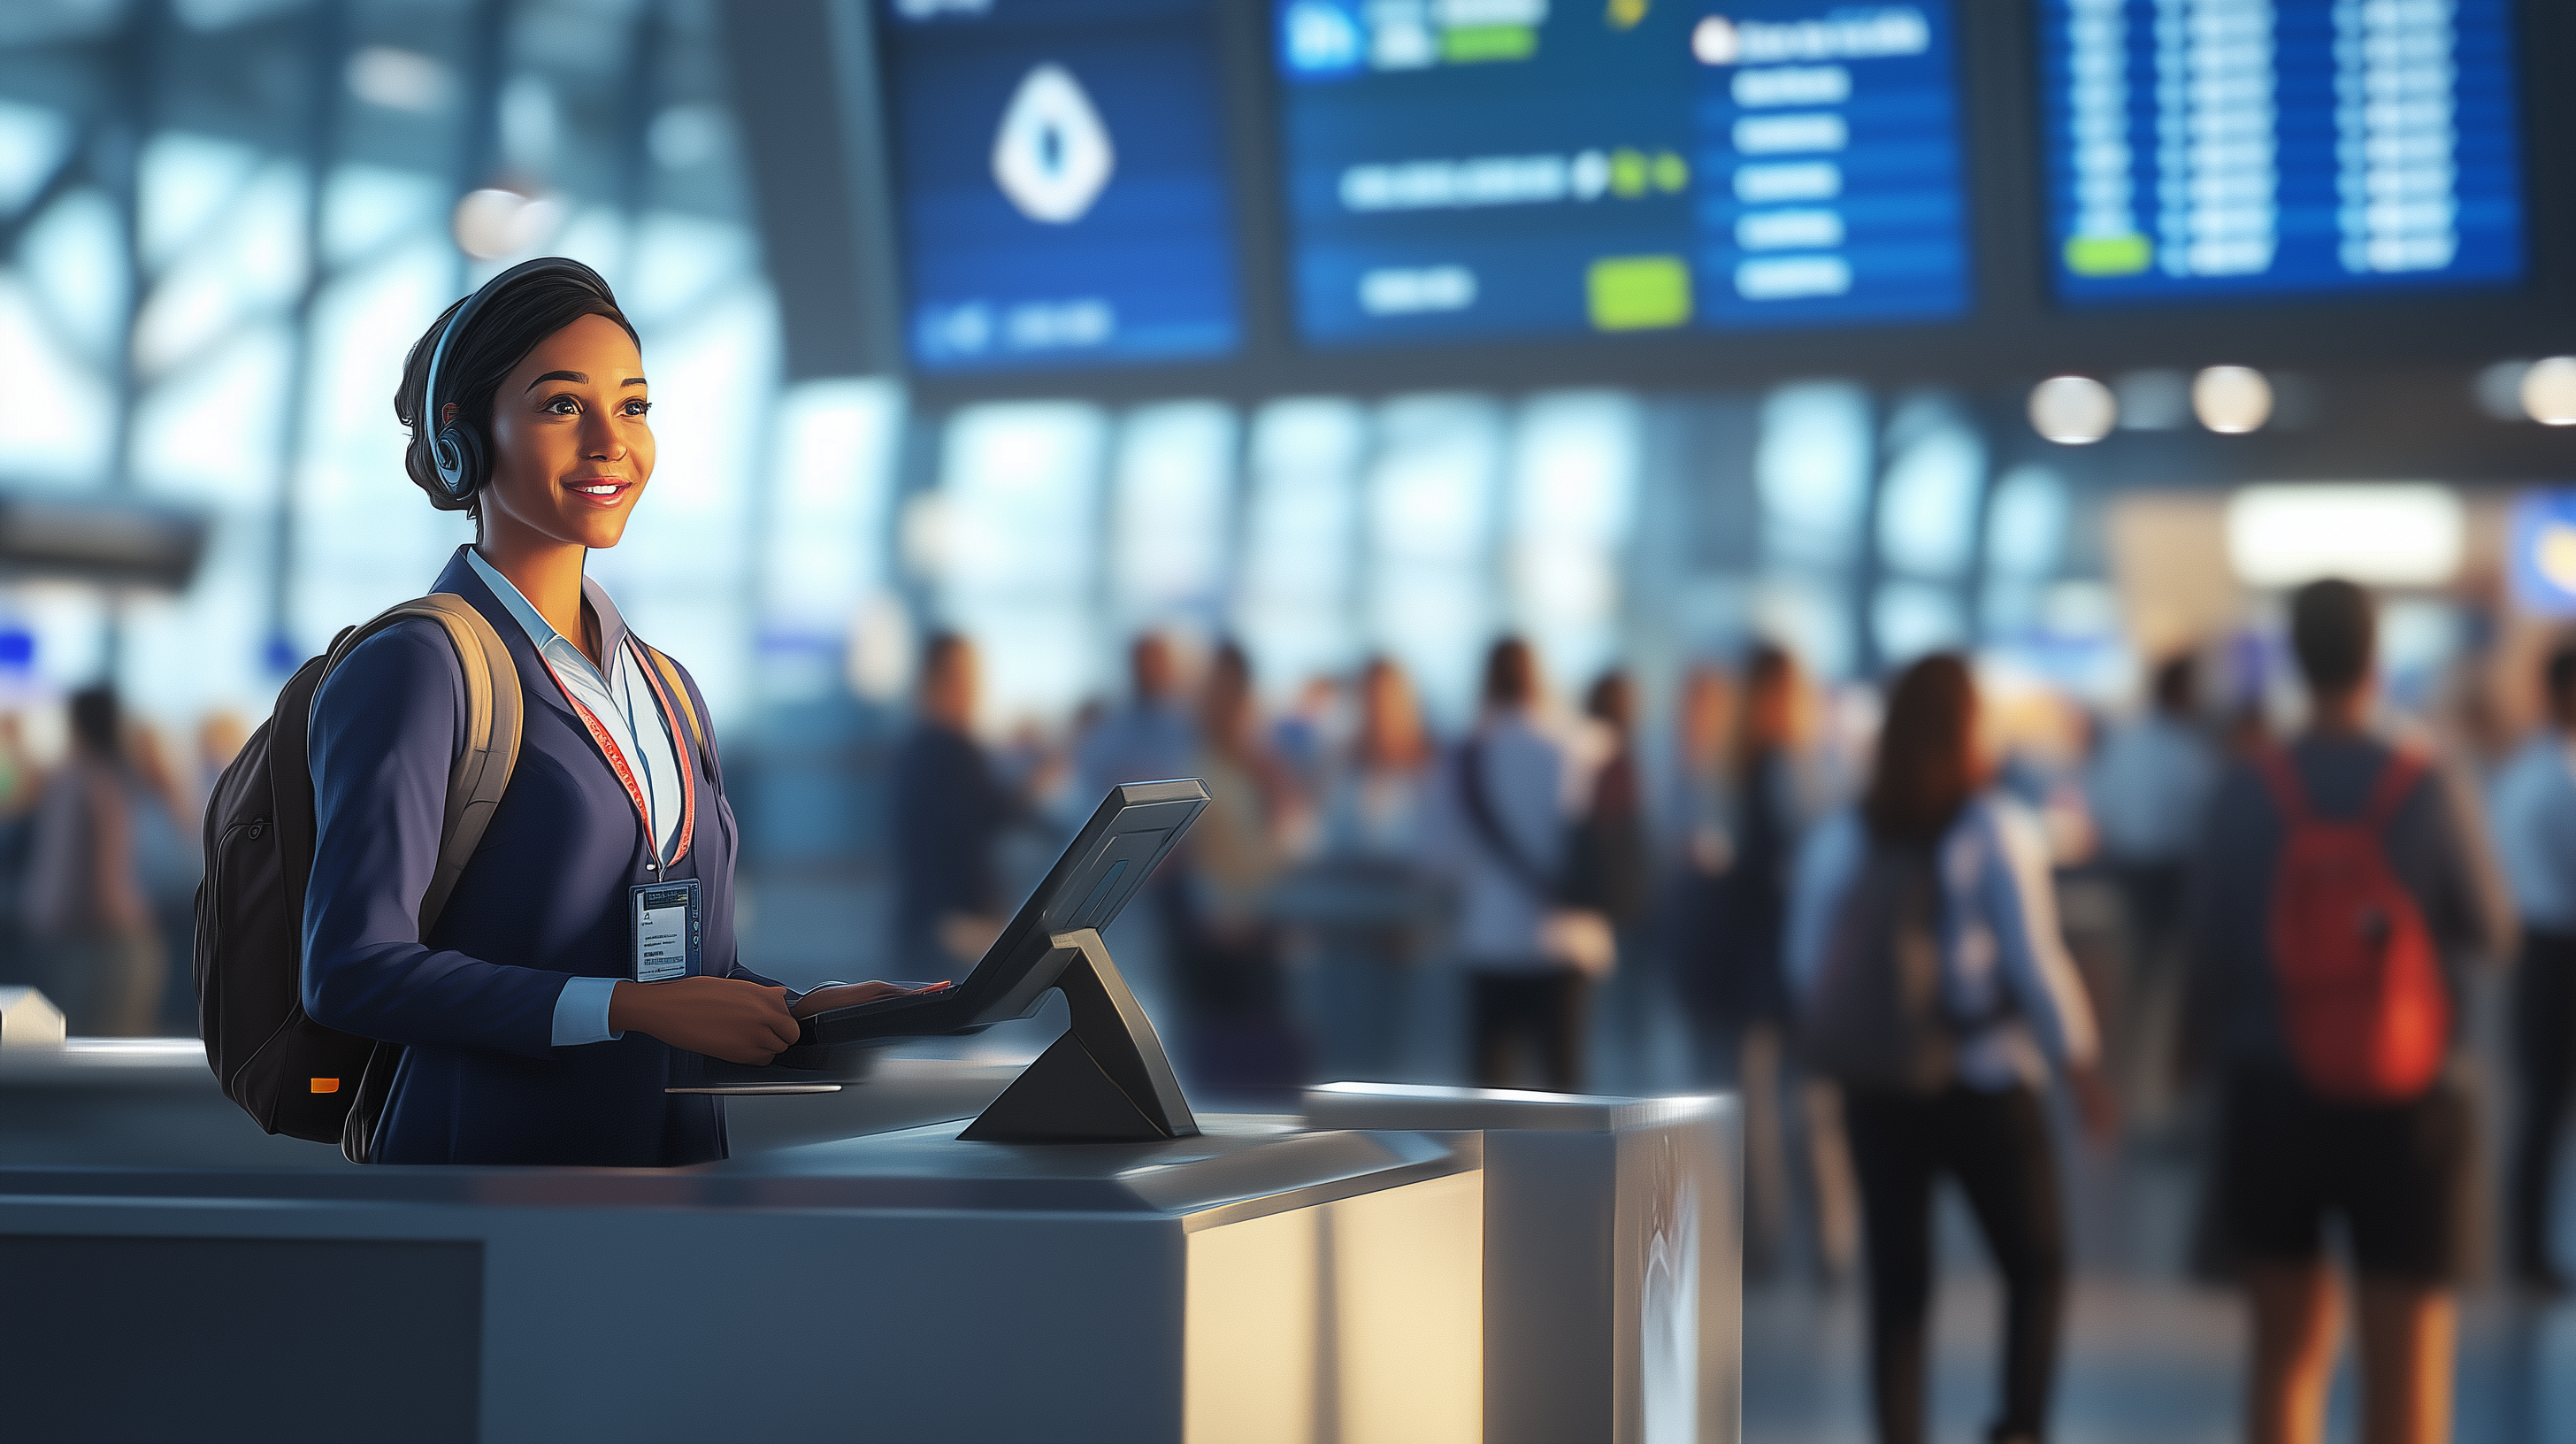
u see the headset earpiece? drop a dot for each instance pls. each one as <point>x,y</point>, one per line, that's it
<point>456,448</point>
<point>457,454</point>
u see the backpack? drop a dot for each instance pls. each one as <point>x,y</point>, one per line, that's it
<point>1876,1018</point>
<point>291,1074</point>
<point>2363,1000</point>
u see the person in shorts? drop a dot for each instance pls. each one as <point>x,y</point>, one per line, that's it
<point>2393,1176</point>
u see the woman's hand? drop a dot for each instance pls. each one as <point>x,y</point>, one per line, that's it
<point>2096,1107</point>
<point>850,995</point>
<point>730,1018</point>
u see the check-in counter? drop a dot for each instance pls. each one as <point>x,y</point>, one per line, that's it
<point>1257,1282</point>
<point>1613,1280</point>
<point>1432,1266</point>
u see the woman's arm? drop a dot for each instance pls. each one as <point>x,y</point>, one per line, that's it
<point>387,727</point>
<point>2021,905</point>
<point>2019,900</point>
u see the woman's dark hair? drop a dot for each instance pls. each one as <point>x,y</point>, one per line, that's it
<point>1927,764</point>
<point>1612,700</point>
<point>509,325</point>
<point>97,721</point>
<point>1768,668</point>
<point>1511,674</point>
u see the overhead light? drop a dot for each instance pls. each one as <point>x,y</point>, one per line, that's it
<point>496,222</point>
<point>2073,410</point>
<point>2398,534</point>
<point>2549,391</point>
<point>2231,400</point>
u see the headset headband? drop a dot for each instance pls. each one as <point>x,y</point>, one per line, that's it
<point>474,303</point>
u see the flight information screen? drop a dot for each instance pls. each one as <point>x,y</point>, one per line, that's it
<point>1060,182</point>
<point>2246,147</point>
<point>1457,169</point>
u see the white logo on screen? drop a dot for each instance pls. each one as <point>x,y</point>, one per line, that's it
<point>1052,156</point>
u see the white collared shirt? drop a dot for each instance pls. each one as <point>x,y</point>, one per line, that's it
<point>621,701</point>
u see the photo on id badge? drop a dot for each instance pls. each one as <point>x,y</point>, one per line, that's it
<point>665,926</point>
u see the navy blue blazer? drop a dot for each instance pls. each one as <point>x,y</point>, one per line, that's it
<point>544,899</point>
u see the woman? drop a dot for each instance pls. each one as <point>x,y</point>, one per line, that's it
<point>1746,1027</point>
<point>1609,869</point>
<point>2009,1008</point>
<point>528,1037</point>
<point>1240,1038</point>
<point>88,902</point>
<point>1505,822</point>
<point>1375,905</point>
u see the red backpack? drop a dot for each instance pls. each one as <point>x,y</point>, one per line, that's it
<point>2362,996</point>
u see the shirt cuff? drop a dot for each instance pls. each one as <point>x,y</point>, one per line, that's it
<point>581,1012</point>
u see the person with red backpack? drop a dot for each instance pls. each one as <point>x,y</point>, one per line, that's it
<point>2331,903</point>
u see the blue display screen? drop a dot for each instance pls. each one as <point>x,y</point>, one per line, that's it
<point>1461,169</point>
<point>2270,147</point>
<point>1060,181</point>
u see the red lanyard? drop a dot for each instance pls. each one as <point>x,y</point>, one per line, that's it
<point>625,774</point>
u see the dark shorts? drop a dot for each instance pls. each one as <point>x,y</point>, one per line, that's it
<point>2396,1175</point>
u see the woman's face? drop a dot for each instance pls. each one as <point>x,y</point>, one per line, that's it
<point>1389,725</point>
<point>571,449</point>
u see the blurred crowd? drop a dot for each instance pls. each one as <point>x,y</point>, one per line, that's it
<point>1924,933</point>
<point>100,855</point>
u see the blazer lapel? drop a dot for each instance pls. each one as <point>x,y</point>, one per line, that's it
<point>536,684</point>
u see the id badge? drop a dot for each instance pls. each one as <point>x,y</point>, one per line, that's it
<point>664,918</point>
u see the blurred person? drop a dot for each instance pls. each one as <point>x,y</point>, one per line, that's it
<point>22,784</point>
<point>1924,948</point>
<point>21,780</point>
<point>220,737</point>
<point>1505,814</point>
<point>1237,1031</point>
<point>170,860</point>
<point>2534,815</point>
<point>1746,1023</point>
<point>950,812</point>
<point>1148,740</point>
<point>1375,907</point>
<point>1304,737</point>
<point>1610,867</point>
<point>87,905</point>
<point>1702,822</point>
<point>2331,907</point>
<point>2150,784</point>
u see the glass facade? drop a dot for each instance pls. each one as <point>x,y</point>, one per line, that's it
<point>223,224</point>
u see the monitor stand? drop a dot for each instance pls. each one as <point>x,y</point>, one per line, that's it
<point>1105,1079</point>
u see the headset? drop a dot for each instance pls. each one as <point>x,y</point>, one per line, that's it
<point>456,448</point>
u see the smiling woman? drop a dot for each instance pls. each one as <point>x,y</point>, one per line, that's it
<point>585,959</point>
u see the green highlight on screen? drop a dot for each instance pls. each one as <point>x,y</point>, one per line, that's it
<point>1469,44</point>
<point>1639,293</point>
<point>2109,255</point>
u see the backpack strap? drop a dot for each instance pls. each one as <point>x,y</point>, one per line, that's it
<point>2281,779</point>
<point>494,720</point>
<point>1489,828</point>
<point>2396,783</point>
<point>701,736</point>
